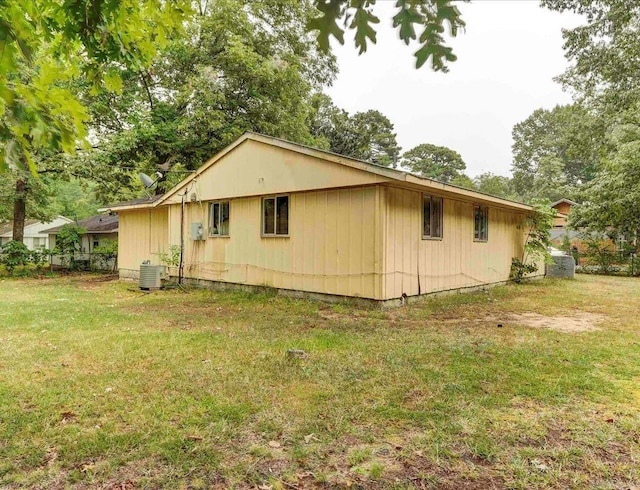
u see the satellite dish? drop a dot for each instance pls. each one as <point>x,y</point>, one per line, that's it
<point>146,180</point>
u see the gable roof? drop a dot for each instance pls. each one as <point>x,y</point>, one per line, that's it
<point>95,224</point>
<point>32,227</point>
<point>403,178</point>
<point>8,226</point>
<point>568,201</point>
<point>139,203</point>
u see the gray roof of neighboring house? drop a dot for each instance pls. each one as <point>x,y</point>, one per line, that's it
<point>102,223</point>
<point>8,226</point>
<point>133,202</point>
<point>556,233</point>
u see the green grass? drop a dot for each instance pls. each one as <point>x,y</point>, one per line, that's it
<point>102,385</point>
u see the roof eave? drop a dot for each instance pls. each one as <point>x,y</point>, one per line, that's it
<point>115,209</point>
<point>390,173</point>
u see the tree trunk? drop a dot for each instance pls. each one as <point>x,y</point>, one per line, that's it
<point>19,210</point>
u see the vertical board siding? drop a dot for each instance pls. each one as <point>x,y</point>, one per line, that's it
<point>142,235</point>
<point>331,247</point>
<point>415,266</point>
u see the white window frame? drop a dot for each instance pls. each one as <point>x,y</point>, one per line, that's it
<point>275,220</point>
<point>431,198</point>
<point>476,232</point>
<point>220,204</point>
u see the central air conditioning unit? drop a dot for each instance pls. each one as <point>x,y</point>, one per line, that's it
<point>151,275</point>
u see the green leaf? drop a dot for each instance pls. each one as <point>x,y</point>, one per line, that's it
<point>406,17</point>
<point>326,24</point>
<point>362,21</point>
<point>112,81</point>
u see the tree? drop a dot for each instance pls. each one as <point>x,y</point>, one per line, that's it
<point>605,76</point>
<point>377,131</point>
<point>242,66</point>
<point>434,162</point>
<point>357,15</point>
<point>604,53</point>
<point>333,129</point>
<point>611,201</point>
<point>46,43</point>
<point>365,135</point>
<point>495,185</point>
<point>555,151</point>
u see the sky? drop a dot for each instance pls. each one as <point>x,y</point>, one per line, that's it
<point>507,58</point>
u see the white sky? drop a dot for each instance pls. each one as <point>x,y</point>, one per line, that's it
<point>507,57</point>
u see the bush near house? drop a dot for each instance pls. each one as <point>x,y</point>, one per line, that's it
<point>16,258</point>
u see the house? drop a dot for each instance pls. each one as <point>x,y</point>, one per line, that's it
<point>563,209</point>
<point>268,212</point>
<point>98,229</point>
<point>34,232</point>
<point>561,236</point>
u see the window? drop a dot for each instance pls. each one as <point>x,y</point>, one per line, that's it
<point>275,216</point>
<point>219,218</point>
<point>481,223</point>
<point>39,243</point>
<point>431,216</point>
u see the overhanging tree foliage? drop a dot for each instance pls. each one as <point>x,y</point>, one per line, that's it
<point>45,43</point>
<point>241,66</point>
<point>432,17</point>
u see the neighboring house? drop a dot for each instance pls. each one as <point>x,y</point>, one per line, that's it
<point>34,232</point>
<point>98,229</point>
<point>563,209</point>
<point>560,233</point>
<point>269,212</point>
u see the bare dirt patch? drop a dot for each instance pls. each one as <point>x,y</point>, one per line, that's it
<point>575,323</point>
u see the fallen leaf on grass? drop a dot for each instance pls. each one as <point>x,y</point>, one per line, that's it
<point>274,444</point>
<point>309,438</point>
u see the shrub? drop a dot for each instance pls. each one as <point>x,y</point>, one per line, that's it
<point>105,255</point>
<point>600,254</point>
<point>172,258</point>
<point>68,242</point>
<point>520,270</point>
<point>39,257</point>
<point>535,246</point>
<point>14,254</point>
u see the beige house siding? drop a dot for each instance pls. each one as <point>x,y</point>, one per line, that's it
<point>142,235</point>
<point>257,169</point>
<point>333,246</point>
<point>355,229</point>
<point>413,265</point>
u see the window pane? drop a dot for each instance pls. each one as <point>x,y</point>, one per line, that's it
<point>224,218</point>
<point>215,219</point>
<point>282,222</point>
<point>426,216</point>
<point>481,223</point>
<point>436,217</point>
<point>485,223</point>
<point>269,216</point>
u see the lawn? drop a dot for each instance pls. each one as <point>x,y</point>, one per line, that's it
<point>102,385</point>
